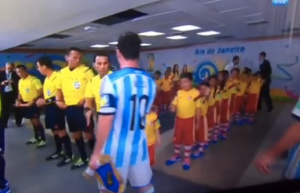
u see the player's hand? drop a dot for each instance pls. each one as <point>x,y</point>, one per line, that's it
<point>263,163</point>
<point>81,102</point>
<point>61,104</point>
<point>88,116</point>
<point>158,141</point>
<point>94,161</point>
<point>3,83</point>
<point>40,102</point>
<point>29,104</point>
<point>17,104</point>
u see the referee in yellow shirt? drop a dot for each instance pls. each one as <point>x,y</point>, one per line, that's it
<point>30,90</point>
<point>70,96</point>
<point>92,90</point>
<point>54,116</point>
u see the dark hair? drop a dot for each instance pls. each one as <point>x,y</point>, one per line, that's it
<point>45,61</point>
<point>174,70</point>
<point>129,45</point>
<point>223,82</point>
<point>187,75</point>
<point>169,68</point>
<point>263,54</point>
<point>74,49</point>
<point>236,69</point>
<point>205,83</point>
<point>235,58</point>
<point>101,55</point>
<point>21,67</point>
<point>157,72</point>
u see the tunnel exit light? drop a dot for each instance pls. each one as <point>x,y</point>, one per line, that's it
<point>280,2</point>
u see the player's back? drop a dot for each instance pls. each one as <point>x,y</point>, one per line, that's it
<point>134,91</point>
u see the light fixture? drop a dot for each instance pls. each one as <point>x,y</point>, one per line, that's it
<point>90,28</point>
<point>145,44</point>
<point>113,43</point>
<point>186,28</point>
<point>99,46</point>
<point>208,33</point>
<point>151,33</point>
<point>176,37</point>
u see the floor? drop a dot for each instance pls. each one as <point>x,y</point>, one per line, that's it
<point>227,164</point>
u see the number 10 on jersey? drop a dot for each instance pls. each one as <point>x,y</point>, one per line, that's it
<point>139,106</point>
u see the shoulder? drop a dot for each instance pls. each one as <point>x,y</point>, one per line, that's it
<point>85,69</point>
<point>196,91</point>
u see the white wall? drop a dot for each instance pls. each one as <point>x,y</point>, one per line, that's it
<point>204,60</point>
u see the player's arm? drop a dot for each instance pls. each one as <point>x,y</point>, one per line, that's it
<point>106,112</point>
<point>174,103</point>
<point>39,87</point>
<point>198,108</point>
<point>157,127</point>
<point>89,98</point>
<point>290,138</point>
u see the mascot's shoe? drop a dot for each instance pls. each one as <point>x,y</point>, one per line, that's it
<point>186,166</point>
<point>172,161</point>
<point>197,155</point>
<point>223,137</point>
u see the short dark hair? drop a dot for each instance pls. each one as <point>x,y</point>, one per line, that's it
<point>205,83</point>
<point>235,58</point>
<point>22,67</point>
<point>187,75</point>
<point>129,45</point>
<point>263,54</point>
<point>213,77</point>
<point>236,69</point>
<point>157,72</point>
<point>74,49</point>
<point>101,55</point>
<point>45,61</point>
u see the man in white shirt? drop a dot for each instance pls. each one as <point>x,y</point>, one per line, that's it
<point>234,64</point>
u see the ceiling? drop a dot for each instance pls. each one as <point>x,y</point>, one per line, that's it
<point>234,19</point>
<point>25,21</point>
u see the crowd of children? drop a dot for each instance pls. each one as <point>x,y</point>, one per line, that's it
<point>204,114</point>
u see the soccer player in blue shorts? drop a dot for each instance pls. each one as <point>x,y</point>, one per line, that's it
<point>290,141</point>
<point>126,97</point>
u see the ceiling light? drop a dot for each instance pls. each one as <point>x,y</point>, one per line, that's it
<point>89,28</point>
<point>99,46</point>
<point>186,28</point>
<point>113,43</point>
<point>176,37</point>
<point>145,44</point>
<point>208,33</point>
<point>151,33</point>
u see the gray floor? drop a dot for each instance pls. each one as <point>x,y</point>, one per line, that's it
<point>223,166</point>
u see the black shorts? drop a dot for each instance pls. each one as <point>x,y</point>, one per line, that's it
<point>31,112</point>
<point>54,117</point>
<point>75,118</point>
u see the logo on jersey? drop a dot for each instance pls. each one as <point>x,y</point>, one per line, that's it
<point>140,84</point>
<point>104,101</point>
<point>27,90</point>
<point>77,85</point>
<point>48,92</point>
<point>190,98</point>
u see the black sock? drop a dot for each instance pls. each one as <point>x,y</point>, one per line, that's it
<point>91,143</point>
<point>36,132</point>
<point>81,148</point>
<point>42,132</point>
<point>67,145</point>
<point>58,143</point>
<point>2,173</point>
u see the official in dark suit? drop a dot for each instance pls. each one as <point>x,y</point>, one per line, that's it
<point>9,83</point>
<point>265,72</point>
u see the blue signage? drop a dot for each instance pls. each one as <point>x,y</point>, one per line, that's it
<point>280,2</point>
<point>204,70</point>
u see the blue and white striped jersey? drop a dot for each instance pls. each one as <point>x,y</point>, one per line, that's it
<point>127,94</point>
